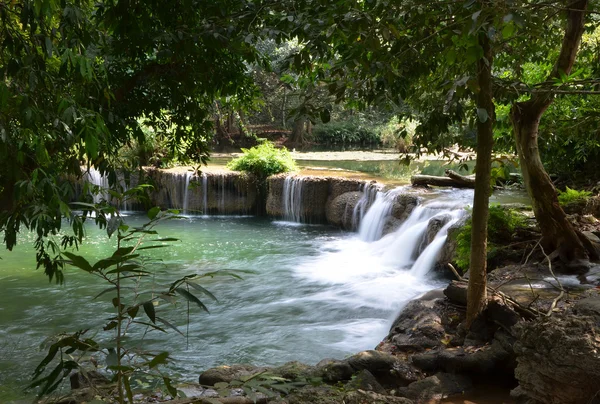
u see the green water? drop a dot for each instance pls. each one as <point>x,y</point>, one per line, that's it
<point>305,301</point>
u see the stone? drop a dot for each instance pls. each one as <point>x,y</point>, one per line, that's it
<point>293,370</point>
<point>403,206</point>
<point>339,211</point>
<point>315,395</point>
<point>558,359</point>
<point>418,327</point>
<point>364,380</point>
<point>387,369</point>
<point>435,388</point>
<point>334,370</point>
<point>589,306</point>
<point>90,378</point>
<point>227,374</point>
<point>369,397</point>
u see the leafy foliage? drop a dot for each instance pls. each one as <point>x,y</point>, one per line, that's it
<point>501,225</point>
<point>572,195</point>
<point>134,301</point>
<point>346,133</point>
<point>264,160</point>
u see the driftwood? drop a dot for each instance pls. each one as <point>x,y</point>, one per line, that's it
<point>452,179</point>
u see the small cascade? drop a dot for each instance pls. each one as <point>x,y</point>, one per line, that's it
<point>428,257</point>
<point>221,193</point>
<point>292,199</point>
<point>370,191</point>
<point>371,225</point>
<point>94,177</point>
<point>186,188</point>
<point>204,194</point>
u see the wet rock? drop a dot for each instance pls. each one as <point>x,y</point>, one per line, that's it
<point>391,225</point>
<point>435,225</point>
<point>477,361</point>
<point>558,359</point>
<point>316,395</point>
<point>333,370</point>
<point>448,252</point>
<point>369,397</point>
<point>364,380</point>
<point>314,195</point>
<point>387,369</point>
<point>339,211</point>
<point>590,306</point>
<point>293,370</point>
<point>403,206</point>
<point>87,379</point>
<point>227,374</point>
<point>435,388</point>
<point>418,327</point>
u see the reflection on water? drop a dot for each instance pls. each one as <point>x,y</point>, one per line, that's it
<point>305,300</point>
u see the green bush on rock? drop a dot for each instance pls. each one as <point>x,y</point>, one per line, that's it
<point>501,225</point>
<point>572,195</point>
<point>264,160</point>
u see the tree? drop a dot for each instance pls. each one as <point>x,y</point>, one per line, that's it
<point>557,232</point>
<point>79,78</point>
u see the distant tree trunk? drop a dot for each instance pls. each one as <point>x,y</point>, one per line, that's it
<point>283,106</point>
<point>297,136</point>
<point>557,232</point>
<point>477,290</point>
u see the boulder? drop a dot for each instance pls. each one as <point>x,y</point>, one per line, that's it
<point>435,388</point>
<point>558,358</point>
<point>339,211</point>
<point>387,369</point>
<point>227,374</point>
<point>334,370</point>
<point>293,370</point>
<point>418,327</point>
<point>403,206</point>
<point>364,380</point>
<point>370,397</point>
<point>315,395</point>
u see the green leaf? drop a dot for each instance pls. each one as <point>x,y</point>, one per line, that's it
<point>168,324</point>
<point>172,390</point>
<point>153,212</point>
<point>149,310</point>
<point>159,359</point>
<point>508,30</point>
<point>111,289</point>
<point>79,262</point>
<point>451,56</point>
<point>111,358</point>
<point>191,298</point>
<point>325,115</point>
<point>201,289</point>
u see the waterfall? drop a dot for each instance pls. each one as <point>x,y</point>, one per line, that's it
<point>185,192</point>
<point>222,194</point>
<point>372,224</point>
<point>370,191</point>
<point>204,194</point>
<point>94,177</point>
<point>292,199</point>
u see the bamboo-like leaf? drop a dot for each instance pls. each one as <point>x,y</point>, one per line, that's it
<point>201,289</point>
<point>172,390</point>
<point>160,359</point>
<point>111,289</point>
<point>149,310</point>
<point>171,326</point>
<point>191,298</point>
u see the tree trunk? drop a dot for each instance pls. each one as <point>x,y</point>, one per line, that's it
<point>477,293</point>
<point>297,136</point>
<point>557,232</point>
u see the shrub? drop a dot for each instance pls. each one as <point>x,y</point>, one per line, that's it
<point>572,195</point>
<point>398,134</point>
<point>264,160</point>
<point>346,133</point>
<point>501,225</point>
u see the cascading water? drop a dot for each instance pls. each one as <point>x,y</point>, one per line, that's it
<point>372,224</point>
<point>94,177</point>
<point>292,199</point>
<point>370,191</point>
<point>204,194</point>
<point>186,189</point>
